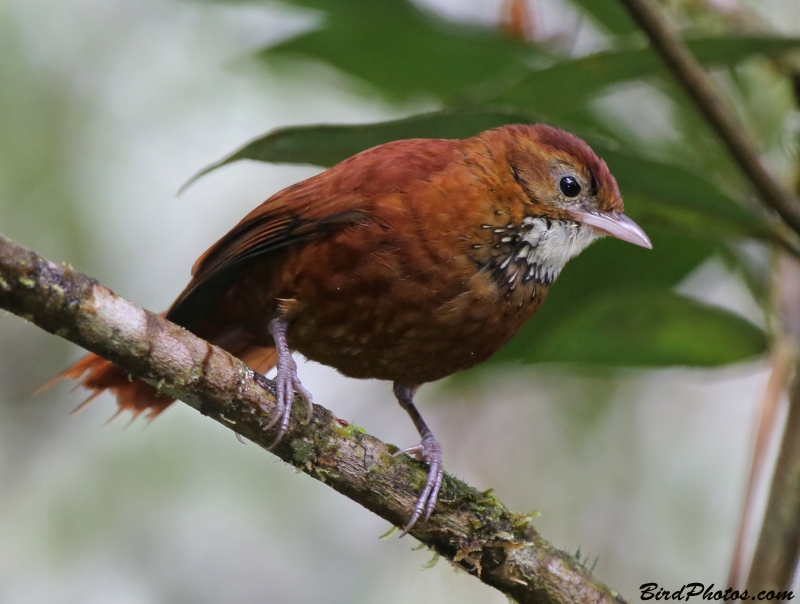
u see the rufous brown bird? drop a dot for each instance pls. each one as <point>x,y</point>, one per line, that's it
<point>407,262</point>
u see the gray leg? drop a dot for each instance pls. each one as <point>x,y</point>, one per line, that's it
<point>286,381</point>
<point>428,450</point>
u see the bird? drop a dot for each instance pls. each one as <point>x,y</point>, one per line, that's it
<point>408,262</point>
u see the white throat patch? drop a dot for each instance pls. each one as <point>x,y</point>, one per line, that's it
<point>537,250</point>
<point>547,245</point>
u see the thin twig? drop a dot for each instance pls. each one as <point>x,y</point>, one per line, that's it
<point>697,83</point>
<point>782,364</point>
<point>776,554</point>
<point>784,361</point>
<point>472,529</point>
<point>778,547</point>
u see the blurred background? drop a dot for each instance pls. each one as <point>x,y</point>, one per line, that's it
<point>624,415</point>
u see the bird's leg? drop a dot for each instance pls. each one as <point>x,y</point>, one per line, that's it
<point>286,381</point>
<point>428,450</point>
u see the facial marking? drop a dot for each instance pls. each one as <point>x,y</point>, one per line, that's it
<point>537,250</point>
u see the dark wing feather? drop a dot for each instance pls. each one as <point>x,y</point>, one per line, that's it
<point>265,234</point>
<point>342,196</point>
<point>219,268</point>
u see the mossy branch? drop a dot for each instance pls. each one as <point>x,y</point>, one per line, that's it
<point>470,528</point>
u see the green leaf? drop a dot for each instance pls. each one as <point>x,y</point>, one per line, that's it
<point>403,51</point>
<point>609,14</point>
<point>613,306</point>
<point>568,84</point>
<point>659,193</point>
<point>656,194</point>
<point>611,268</point>
<point>327,145</point>
<point>647,329</point>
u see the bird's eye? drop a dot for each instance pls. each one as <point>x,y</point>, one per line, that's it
<point>569,186</point>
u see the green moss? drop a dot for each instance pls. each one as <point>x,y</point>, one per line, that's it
<point>418,479</point>
<point>461,491</point>
<point>343,431</point>
<point>27,282</point>
<point>348,431</point>
<point>432,562</point>
<point>323,474</point>
<point>380,465</point>
<point>303,451</point>
<point>521,522</point>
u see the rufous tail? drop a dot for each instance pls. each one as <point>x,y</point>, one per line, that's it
<point>136,396</point>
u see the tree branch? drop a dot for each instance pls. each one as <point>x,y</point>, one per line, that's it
<point>470,528</point>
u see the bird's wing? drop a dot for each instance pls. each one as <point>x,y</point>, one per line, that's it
<point>342,196</point>
<point>267,232</point>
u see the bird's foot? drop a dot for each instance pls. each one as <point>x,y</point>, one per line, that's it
<point>428,450</point>
<point>286,385</point>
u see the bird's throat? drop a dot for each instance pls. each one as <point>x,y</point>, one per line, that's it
<point>537,250</point>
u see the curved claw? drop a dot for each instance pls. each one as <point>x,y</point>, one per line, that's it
<point>283,408</point>
<point>416,451</point>
<point>286,382</point>
<point>306,396</point>
<point>277,414</point>
<point>286,385</point>
<point>430,451</point>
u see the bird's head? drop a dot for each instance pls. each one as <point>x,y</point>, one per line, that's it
<point>564,180</point>
<point>561,197</point>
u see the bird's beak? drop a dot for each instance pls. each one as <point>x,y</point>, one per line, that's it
<point>615,224</point>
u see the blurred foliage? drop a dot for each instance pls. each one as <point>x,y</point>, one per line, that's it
<point>403,51</point>
<point>615,305</point>
<point>665,193</point>
<point>610,15</point>
<point>39,207</point>
<point>35,122</point>
<point>570,83</point>
<point>644,329</point>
